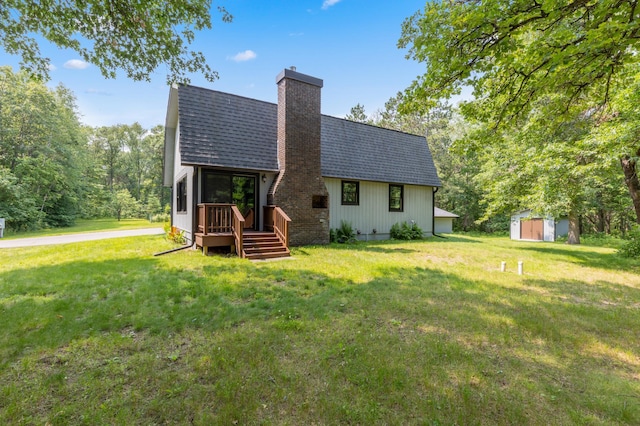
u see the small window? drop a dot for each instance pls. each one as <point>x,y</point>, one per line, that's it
<point>181,195</point>
<point>319,201</point>
<point>396,198</point>
<point>350,193</point>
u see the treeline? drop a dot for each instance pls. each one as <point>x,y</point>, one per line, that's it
<point>54,170</point>
<point>566,169</point>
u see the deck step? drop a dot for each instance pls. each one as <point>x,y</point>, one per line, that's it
<point>264,246</point>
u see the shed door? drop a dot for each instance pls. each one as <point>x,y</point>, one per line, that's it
<point>531,229</point>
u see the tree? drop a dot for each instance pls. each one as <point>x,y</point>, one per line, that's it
<point>358,115</point>
<point>135,36</point>
<point>41,150</point>
<point>516,53</point>
<point>554,169</point>
<point>457,166</point>
<point>521,50</point>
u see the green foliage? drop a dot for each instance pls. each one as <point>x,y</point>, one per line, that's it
<point>136,37</point>
<point>126,206</point>
<point>358,115</point>
<point>42,153</point>
<point>513,53</point>
<point>174,234</point>
<point>344,234</point>
<point>406,231</point>
<point>631,247</point>
<point>560,78</point>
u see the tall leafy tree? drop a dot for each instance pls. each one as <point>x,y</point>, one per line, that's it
<point>135,36</point>
<point>41,146</point>
<point>514,54</point>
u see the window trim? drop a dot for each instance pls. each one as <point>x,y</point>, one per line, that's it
<point>181,195</point>
<point>357,192</point>
<point>401,209</point>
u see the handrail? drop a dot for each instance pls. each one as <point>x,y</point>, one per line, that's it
<point>281,225</point>
<point>216,218</point>
<point>238,230</point>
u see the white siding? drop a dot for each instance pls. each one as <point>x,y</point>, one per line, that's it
<point>444,225</point>
<point>373,210</point>
<point>182,220</point>
<point>549,229</point>
<point>562,228</point>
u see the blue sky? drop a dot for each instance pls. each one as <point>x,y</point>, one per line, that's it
<point>350,44</point>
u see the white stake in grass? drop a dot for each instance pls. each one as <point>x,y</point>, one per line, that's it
<point>520,264</point>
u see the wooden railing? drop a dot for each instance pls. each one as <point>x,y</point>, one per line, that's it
<point>276,220</point>
<point>222,219</point>
<point>238,230</point>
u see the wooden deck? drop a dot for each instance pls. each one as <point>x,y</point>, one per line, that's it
<point>222,225</point>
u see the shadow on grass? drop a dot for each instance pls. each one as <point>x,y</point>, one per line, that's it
<point>415,342</point>
<point>391,246</point>
<point>587,257</point>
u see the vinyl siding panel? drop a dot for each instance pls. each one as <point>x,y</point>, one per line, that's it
<point>373,210</point>
<point>182,220</point>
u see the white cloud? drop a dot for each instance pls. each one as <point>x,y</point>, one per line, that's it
<point>328,3</point>
<point>52,67</point>
<point>296,34</point>
<point>247,55</point>
<point>76,64</point>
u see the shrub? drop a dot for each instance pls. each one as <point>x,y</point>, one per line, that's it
<point>174,234</point>
<point>344,234</point>
<point>160,217</point>
<point>405,231</point>
<point>631,248</point>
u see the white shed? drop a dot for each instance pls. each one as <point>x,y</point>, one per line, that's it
<point>526,226</point>
<point>443,221</point>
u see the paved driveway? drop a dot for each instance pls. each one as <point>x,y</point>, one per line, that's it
<point>74,238</point>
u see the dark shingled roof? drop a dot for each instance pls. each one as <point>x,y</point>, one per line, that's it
<point>223,130</point>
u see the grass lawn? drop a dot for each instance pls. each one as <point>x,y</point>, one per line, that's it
<point>93,225</point>
<point>427,332</point>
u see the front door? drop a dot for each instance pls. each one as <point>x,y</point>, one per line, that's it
<point>231,188</point>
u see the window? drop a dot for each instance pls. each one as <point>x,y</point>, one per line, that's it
<point>396,198</point>
<point>181,195</point>
<point>319,202</point>
<point>350,193</point>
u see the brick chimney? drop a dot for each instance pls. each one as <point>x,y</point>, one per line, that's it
<point>299,188</point>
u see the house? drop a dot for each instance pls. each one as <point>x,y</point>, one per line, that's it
<point>240,167</point>
<point>443,221</point>
<point>527,226</point>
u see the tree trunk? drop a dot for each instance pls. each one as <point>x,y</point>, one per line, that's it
<point>631,179</point>
<point>574,229</point>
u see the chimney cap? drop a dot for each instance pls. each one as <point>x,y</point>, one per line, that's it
<point>295,75</point>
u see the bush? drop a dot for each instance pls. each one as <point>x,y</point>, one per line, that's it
<point>405,231</point>
<point>344,234</point>
<point>631,248</point>
<point>160,217</point>
<point>174,234</point>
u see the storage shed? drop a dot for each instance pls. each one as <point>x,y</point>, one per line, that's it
<point>526,226</point>
<point>443,221</point>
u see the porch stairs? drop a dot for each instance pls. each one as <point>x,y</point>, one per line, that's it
<point>263,245</point>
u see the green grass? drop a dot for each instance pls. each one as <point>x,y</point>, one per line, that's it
<point>93,225</point>
<point>427,332</point>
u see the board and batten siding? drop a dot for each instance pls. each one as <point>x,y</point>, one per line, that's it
<point>373,209</point>
<point>182,220</point>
